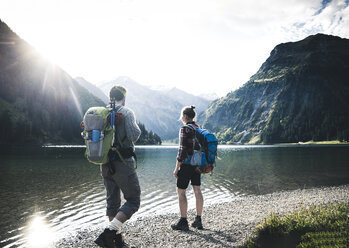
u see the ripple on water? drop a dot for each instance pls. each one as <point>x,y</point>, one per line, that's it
<point>73,195</point>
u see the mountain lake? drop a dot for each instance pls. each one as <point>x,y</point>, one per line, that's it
<point>53,191</point>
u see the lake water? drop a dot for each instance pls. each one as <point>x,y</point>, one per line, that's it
<point>46,193</point>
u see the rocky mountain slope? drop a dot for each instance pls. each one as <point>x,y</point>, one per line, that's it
<point>299,94</point>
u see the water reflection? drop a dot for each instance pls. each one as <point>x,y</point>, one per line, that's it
<point>39,234</point>
<point>266,169</point>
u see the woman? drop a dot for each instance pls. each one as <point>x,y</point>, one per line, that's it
<point>185,173</point>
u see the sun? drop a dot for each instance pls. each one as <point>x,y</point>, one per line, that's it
<point>49,52</point>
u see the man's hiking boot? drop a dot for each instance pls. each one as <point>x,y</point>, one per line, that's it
<point>109,239</point>
<point>197,223</point>
<point>120,242</point>
<point>106,239</point>
<point>182,225</point>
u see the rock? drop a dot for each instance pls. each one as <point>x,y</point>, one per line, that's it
<point>225,225</point>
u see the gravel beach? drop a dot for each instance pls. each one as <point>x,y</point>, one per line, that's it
<point>225,225</point>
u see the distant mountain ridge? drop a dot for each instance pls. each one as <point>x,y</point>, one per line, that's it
<point>165,89</point>
<point>159,111</point>
<point>300,93</point>
<point>209,96</point>
<point>92,89</point>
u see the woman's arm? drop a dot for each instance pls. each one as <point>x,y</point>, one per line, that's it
<point>180,154</point>
<point>175,172</point>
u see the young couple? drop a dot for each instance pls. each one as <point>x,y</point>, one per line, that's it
<point>120,177</point>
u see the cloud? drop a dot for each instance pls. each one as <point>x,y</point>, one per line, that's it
<point>292,19</point>
<point>331,18</point>
<point>178,42</point>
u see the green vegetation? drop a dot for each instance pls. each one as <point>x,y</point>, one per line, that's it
<point>318,226</point>
<point>148,137</point>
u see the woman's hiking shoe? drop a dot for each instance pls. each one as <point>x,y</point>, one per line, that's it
<point>182,225</point>
<point>197,223</point>
<point>109,239</point>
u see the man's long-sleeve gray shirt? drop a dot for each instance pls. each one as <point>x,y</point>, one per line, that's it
<point>128,129</point>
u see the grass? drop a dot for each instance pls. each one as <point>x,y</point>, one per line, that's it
<point>317,226</point>
<point>332,142</point>
<point>326,142</point>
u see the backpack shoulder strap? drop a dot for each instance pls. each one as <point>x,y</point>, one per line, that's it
<point>194,128</point>
<point>112,123</point>
<point>191,126</point>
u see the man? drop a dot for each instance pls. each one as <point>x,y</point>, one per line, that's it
<point>184,172</point>
<point>119,173</point>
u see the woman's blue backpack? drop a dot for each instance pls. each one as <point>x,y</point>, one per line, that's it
<point>205,158</point>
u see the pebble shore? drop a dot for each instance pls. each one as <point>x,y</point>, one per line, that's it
<point>225,225</point>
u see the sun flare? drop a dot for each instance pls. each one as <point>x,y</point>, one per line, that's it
<point>39,233</point>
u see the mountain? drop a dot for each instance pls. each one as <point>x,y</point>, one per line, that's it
<point>93,89</point>
<point>300,93</point>
<point>39,102</point>
<point>146,138</point>
<point>209,96</point>
<point>187,99</point>
<point>158,110</point>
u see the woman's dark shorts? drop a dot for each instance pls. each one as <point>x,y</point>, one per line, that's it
<point>188,173</point>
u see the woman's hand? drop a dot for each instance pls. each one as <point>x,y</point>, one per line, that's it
<point>175,172</point>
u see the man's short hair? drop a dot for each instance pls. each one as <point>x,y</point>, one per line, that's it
<point>117,93</point>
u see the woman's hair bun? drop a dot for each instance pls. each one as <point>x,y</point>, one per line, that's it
<point>189,111</point>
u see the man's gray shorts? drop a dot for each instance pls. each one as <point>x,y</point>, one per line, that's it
<point>124,179</point>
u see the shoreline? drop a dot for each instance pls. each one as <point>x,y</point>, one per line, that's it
<point>225,224</point>
<point>169,144</point>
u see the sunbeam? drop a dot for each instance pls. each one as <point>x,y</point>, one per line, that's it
<point>76,101</point>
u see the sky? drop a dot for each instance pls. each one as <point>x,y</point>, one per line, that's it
<point>200,46</point>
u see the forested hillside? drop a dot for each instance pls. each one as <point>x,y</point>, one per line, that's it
<point>39,102</point>
<point>148,137</point>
